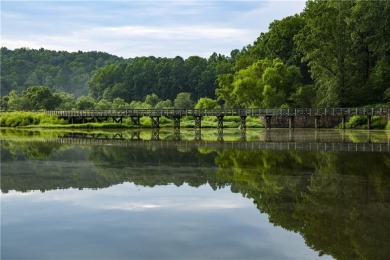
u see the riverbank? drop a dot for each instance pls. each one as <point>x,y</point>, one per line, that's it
<point>41,120</point>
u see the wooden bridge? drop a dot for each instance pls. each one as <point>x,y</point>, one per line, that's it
<point>289,117</point>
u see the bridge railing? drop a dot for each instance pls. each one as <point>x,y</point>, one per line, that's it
<point>381,111</point>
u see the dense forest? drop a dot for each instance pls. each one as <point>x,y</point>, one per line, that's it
<point>333,54</point>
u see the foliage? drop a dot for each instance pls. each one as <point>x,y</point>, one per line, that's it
<point>60,71</point>
<point>17,119</point>
<point>66,101</point>
<point>346,46</point>
<point>266,83</point>
<point>207,103</point>
<point>360,122</point>
<point>183,101</point>
<point>85,103</point>
<point>143,77</point>
<point>279,43</point>
<point>34,98</point>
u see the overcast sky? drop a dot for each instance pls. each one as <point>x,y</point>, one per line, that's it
<point>140,28</point>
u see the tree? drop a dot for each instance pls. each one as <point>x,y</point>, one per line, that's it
<point>207,103</point>
<point>266,83</point>
<point>164,104</point>
<point>16,102</point>
<point>103,104</point>
<point>119,103</point>
<point>183,101</point>
<point>85,102</point>
<point>57,70</point>
<point>4,103</point>
<point>326,45</point>
<point>152,100</point>
<point>66,100</point>
<point>105,77</point>
<point>279,42</point>
<point>39,97</point>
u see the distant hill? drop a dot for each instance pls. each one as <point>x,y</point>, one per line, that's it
<point>58,70</point>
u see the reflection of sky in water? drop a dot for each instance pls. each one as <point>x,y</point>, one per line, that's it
<point>133,222</point>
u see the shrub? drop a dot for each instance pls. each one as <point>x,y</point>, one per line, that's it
<point>360,122</point>
<point>19,119</point>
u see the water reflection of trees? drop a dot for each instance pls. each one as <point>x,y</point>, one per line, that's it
<point>338,201</point>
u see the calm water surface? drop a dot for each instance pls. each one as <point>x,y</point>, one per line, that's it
<point>260,194</point>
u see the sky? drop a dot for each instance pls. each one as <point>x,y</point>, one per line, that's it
<point>140,28</point>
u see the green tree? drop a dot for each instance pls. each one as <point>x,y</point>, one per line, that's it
<point>4,103</point>
<point>183,100</point>
<point>16,102</point>
<point>205,103</point>
<point>164,104</point>
<point>119,103</point>
<point>103,104</point>
<point>105,77</point>
<point>152,100</point>
<point>39,97</point>
<point>266,83</point>
<point>279,42</point>
<point>85,103</point>
<point>326,44</point>
<point>66,100</point>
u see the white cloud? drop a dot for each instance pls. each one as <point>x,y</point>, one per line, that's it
<point>141,28</point>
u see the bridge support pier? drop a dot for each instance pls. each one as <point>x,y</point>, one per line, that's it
<point>198,134</point>
<point>317,121</point>
<point>220,134</point>
<point>343,121</point>
<point>135,120</point>
<point>268,121</point>
<point>155,135</point>
<point>369,122</point>
<point>291,122</point>
<point>101,118</point>
<point>135,135</point>
<point>198,122</point>
<point>220,121</point>
<point>155,121</point>
<point>243,134</point>
<point>243,122</point>
<point>117,120</point>
<point>176,122</point>
<point>176,134</point>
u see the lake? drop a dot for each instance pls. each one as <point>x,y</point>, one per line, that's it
<point>170,194</point>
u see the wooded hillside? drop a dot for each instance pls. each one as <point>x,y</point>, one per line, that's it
<point>333,54</point>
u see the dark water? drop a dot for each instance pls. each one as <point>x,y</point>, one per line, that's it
<point>260,194</point>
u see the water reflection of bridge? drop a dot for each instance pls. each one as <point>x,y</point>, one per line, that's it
<point>135,140</point>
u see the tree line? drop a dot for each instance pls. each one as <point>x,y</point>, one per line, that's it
<point>333,54</point>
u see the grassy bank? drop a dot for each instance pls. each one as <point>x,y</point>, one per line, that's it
<point>23,119</point>
<point>360,122</point>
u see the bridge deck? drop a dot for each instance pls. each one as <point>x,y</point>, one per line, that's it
<point>256,112</point>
